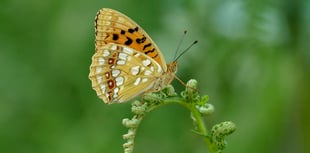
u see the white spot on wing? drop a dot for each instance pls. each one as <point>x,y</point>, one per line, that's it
<point>98,69</point>
<point>146,62</point>
<point>144,80</point>
<point>137,55</point>
<point>122,56</point>
<point>101,61</point>
<point>159,70</point>
<point>127,50</point>
<point>115,73</point>
<point>135,70</point>
<point>115,92</point>
<point>99,78</point>
<point>137,81</point>
<point>147,72</point>
<point>103,87</point>
<point>106,53</point>
<point>119,81</point>
<point>114,47</point>
<point>120,62</point>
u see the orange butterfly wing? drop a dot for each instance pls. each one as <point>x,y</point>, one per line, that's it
<point>114,27</point>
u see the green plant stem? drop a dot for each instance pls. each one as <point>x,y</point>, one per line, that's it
<point>202,128</point>
<point>197,116</point>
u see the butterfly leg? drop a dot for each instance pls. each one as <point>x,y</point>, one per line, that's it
<point>142,97</point>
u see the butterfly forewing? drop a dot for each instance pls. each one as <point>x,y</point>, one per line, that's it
<point>114,27</point>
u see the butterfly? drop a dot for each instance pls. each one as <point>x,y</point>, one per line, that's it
<point>126,62</point>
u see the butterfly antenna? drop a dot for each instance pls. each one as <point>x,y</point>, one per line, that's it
<point>187,49</point>
<point>180,42</point>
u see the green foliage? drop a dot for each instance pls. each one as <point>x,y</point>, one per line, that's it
<point>190,99</point>
<point>252,59</point>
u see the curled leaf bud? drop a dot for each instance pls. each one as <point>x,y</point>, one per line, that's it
<point>128,150</point>
<point>191,84</point>
<point>152,97</point>
<point>130,135</point>
<point>207,109</point>
<point>131,123</point>
<point>139,109</point>
<point>191,92</point>
<point>170,91</point>
<point>129,144</point>
<point>137,103</point>
<point>220,131</point>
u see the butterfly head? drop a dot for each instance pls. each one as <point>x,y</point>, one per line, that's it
<point>172,67</point>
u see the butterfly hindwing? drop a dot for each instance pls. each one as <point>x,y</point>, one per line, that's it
<point>119,73</point>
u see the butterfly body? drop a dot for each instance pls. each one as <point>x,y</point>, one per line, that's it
<point>126,62</point>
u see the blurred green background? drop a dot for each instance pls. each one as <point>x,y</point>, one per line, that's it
<point>252,59</point>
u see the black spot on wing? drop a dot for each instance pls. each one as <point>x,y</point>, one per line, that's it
<point>123,32</point>
<point>136,29</point>
<point>149,51</point>
<point>141,40</point>
<point>129,41</point>
<point>115,36</point>
<point>138,40</point>
<point>147,45</point>
<point>130,30</point>
<point>155,56</point>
